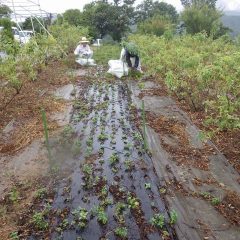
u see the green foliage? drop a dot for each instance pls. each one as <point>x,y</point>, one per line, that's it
<point>38,24</point>
<point>5,11</point>
<point>41,193</point>
<point>202,71</point>
<point>106,52</point>
<point>121,232</point>
<point>102,216</point>
<point>133,202</point>
<point>156,25</point>
<point>114,159</point>
<point>38,220</point>
<point>14,195</point>
<point>158,220</point>
<point>148,8</point>
<point>203,18</point>
<point>14,236</point>
<point>72,17</point>
<point>80,217</point>
<point>173,217</point>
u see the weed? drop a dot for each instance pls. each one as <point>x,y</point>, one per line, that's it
<point>173,217</point>
<point>141,85</point>
<point>206,194</point>
<point>41,193</point>
<point>14,236</point>
<point>121,232</point>
<point>215,201</point>
<point>14,195</point>
<point>38,220</point>
<point>133,202</point>
<point>158,220</point>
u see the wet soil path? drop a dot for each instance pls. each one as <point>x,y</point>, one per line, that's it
<point>112,191</point>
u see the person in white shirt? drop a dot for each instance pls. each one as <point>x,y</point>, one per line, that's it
<point>83,50</point>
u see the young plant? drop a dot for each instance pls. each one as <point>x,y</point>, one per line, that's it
<point>80,217</point>
<point>41,193</point>
<point>102,137</point>
<point>133,202</point>
<point>121,232</point>
<point>147,186</point>
<point>14,236</point>
<point>215,201</point>
<point>38,220</point>
<point>129,165</point>
<point>119,210</point>
<point>158,220</point>
<point>14,195</point>
<point>173,217</point>
<point>102,216</point>
<point>114,159</point>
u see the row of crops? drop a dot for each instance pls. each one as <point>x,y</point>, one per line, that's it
<point>203,72</point>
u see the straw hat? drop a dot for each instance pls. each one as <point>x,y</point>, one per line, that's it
<point>84,40</point>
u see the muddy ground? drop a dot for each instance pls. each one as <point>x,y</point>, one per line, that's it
<point>100,180</point>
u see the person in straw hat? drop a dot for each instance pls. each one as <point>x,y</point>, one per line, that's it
<point>83,50</point>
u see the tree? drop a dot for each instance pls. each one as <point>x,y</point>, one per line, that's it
<point>203,18</point>
<point>104,18</point>
<point>156,25</point>
<point>5,11</point>
<point>27,24</point>
<point>73,17</point>
<point>148,9</point>
<point>188,3</point>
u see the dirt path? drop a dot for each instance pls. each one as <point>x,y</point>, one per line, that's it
<point>104,185</point>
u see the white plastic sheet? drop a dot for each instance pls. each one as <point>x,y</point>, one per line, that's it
<point>85,61</point>
<point>118,68</point>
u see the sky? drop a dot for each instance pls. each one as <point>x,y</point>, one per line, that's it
<point>56,6</point>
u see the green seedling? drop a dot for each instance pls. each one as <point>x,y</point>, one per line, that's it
<point>115,170</point>
<point>128,146</point>
<point>129,165</point>
<point>68,131</point>
<point>206,195</point>
<point>215,201</point>
<point>106,202</point>
<point>158,220</point>
<point>137,136</point>
<point>80,217</point>
<point>133,202</point>
<point>102,137</point>
<point>101,151</point>
<point>119,210</point>
<point>173,217</point>
<point>14,236</point>
<point>102,216</point>
<point>114,159</point>
<point>14,195</point>
<point>141,85</point>
<point>38,220</point>
<point>41,193</point>
<point>147,186</point>
<point>121,232</point>
<point>104,192</point>
<point>162,190</point>
<point>87,169</point>
<point>89,142</point>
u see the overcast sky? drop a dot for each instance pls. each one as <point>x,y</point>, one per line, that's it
<point>57,6</point>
